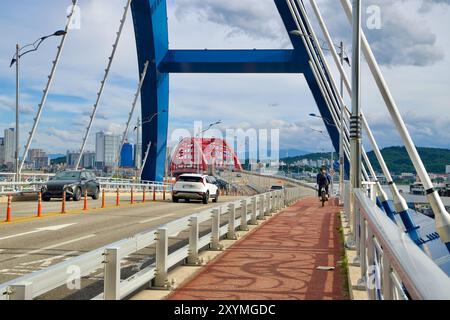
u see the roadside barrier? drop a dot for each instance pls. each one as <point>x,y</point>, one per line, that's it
<point>85,206</point>
<point>103,199</point>
<point>39,206</point>
<point>63,203</point>
<point>8,209</point>
<point>109,257</point>
<point>134,188</point>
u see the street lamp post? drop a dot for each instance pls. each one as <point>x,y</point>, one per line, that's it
<point>210,126</point>
<point>16,153</point>
<point>16,60</point>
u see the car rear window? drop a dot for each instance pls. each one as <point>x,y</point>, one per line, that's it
<point>276,187</point>
<point>190,179</point>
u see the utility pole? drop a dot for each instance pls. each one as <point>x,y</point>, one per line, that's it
<point>16,154</point>
<point>342,133</point>
<point>355,120</point>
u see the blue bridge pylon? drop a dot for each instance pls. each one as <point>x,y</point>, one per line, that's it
<point>152,41</point>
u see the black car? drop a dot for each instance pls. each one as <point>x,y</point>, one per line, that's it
<point>75,183</point>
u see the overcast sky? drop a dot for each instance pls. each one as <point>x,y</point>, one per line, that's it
<point>412,47</point>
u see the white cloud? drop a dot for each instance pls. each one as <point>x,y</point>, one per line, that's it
<point>245,101</point>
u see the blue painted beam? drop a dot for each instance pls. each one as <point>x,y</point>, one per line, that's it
<point>231,61</point>
<point>152,43</point>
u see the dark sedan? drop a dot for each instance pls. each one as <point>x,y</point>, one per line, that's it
<point>75,183</point>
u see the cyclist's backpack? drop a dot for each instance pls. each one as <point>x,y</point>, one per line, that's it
<point>323,180</point>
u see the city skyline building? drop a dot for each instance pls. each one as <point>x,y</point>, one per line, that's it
<point>9,146</point>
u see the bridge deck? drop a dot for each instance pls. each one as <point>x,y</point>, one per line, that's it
<point>279,261</point>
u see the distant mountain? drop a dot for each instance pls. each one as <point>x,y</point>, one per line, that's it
<point>60,160</point>
<point>292,153</point>
<point>282,153</point>
<point>398,160</point>
<point>56,155</point>
<point>310,156</point>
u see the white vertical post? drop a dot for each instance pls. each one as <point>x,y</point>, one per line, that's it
<point>215,241</point>
<point>22,291</point>
<point>254,219</point>
<point>162,251</point>
<point>268,205</point>
<point>386,276</point>
<point>371,264</point>
<point>193,240</point>
<point>362,251</point>
<point>244,216</point>
<point>111,284</point>
<point>261,208</point>
<point>231,222</point>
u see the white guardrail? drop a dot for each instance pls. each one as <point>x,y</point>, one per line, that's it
<point>392,266</point>
<point>17,188</point>
<point>109,257</point>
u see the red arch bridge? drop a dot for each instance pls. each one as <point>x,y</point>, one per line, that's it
<point>202,155</point>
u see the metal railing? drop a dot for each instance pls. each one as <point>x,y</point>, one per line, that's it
<point>108,184</point>
<point>392,266</point>
<point>109,257</point>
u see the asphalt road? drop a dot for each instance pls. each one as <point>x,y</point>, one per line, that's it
<point>36,244</point>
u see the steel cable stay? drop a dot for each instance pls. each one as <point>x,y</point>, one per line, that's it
<point>48,85</point>
<point>399,202</point>
<point>103,83</point>
<point>409,225</point>
<point>130,117</point>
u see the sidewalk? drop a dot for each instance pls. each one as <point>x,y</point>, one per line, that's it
<point>277,261</point>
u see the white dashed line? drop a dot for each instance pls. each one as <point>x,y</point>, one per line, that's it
<point>54,246</point>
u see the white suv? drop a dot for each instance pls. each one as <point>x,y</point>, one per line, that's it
<point>196,187</point>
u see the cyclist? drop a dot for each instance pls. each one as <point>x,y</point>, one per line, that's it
<point>323,180</point>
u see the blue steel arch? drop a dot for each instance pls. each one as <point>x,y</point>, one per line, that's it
<point>152,42</point>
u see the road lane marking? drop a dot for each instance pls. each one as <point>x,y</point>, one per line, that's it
<point>51,228</point>
<point>54,246</point>
<point>47,261</point>
<point>157,218</point>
